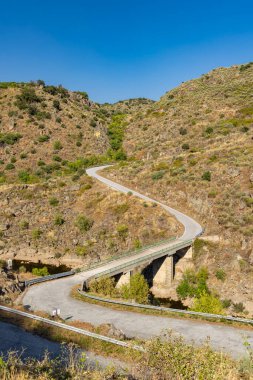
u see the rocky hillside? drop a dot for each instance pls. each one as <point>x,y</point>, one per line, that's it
<point>193,149</point>
<point>76,223</point>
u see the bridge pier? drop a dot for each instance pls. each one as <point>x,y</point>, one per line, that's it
<point>163,273</point>
<point>124,279</point>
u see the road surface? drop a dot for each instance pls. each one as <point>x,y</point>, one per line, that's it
<point>56,294</point>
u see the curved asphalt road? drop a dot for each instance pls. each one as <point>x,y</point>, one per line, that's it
<point>47,296</point>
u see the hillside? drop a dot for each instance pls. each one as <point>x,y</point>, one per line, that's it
<point>192,149</point>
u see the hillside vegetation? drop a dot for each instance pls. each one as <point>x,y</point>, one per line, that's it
<point>192,149</point>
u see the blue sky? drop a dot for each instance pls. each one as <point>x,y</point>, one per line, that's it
<point>119,49</point>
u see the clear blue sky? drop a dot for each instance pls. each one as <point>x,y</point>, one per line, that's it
<point>117,49</point>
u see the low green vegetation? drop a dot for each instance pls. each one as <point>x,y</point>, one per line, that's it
<point>40,271</point>
<point>136,290</point>
<point>9,138</point>
<point>84,223</point>
<point>193,284</point>
<point>116,134</point>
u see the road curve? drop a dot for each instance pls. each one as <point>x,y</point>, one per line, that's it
<point>47,296</point>
<point>191,227</point>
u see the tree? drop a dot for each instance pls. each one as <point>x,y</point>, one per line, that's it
<point>207,303</point>
<point>137,289</point>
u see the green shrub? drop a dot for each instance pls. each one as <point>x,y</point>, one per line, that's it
<point>53,201</point>
<point>206,176</point>
<point>115,134</point>
<point>10,166</point>
<point>93,123</point>
<point>56,105</point>
<point>183,131</point>
<point>43,138</point>
<point>193,284</point>
<point>24,224</point>
<point>9,138</point>
<point>209,130</point>
<point>57,145</point>
<point>238,307</point>
<point>185,146</point>
<point>24,176</point>
<point>158,175</point>
<point>36,233</point>
<point>81,250</point>
<point>23,156</point>
<point>207,303</point>
<point>137,289</point>
<point>83,223</point>
<point>103,285</point>
<point>220,274</point>
<point>122,230</point>
<point>226,303</point>
<point>27,99</point>
<point>40,271</point>
<point>59,220</point>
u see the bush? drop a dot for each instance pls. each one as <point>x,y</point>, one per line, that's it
<point>24,176</point>
<point>40,271</point>
<point>56,105</point>
<point>183,131</point>
<point>185,146</point>
<point>27,99</point>
<point>36,233</point>
<point>193,284</point>
<point>122,230</point>
<point>9,138</point>
<point>57,145</point>
<point>104,286</point>
<point>137,289</point>
<point>43,138</point>
<point>53,201</point>
<point>206,176</point>
<point>59,221</point>
<point>207,303</point>
<point>209,130</point>
<point>83,223</point>
<point>10,166</point>
<point>220,274</point>
<point>24,224</point>
<point>23,156</point>
<point>158,175</point>
<point>238,307</point>
<point>93,123</point>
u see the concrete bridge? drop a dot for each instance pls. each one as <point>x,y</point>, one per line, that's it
<point>157,263</point>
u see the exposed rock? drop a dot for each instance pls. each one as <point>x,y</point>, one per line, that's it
<point>112,331</point>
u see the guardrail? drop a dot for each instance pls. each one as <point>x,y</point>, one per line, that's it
<point>168,309</point>
<point>134,262</point>
<point>71,328</point>
<point>127,254</point>
<point>47,278</point>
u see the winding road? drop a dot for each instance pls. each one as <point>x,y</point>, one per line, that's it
<point>56,294</point>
